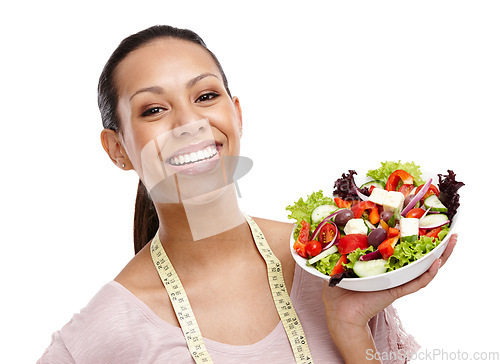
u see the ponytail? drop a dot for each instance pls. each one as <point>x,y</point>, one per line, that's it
<point>145,218</point>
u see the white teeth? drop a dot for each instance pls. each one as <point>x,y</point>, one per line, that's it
<point>205,153</point>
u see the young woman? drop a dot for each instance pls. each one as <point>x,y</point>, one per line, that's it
<point>168,114</point>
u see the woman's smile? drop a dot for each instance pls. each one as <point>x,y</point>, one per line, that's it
<point>195,158</point>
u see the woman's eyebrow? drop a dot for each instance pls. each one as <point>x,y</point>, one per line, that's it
<point>153,89</point>
<point>193,81</point>
<point>158,90</point>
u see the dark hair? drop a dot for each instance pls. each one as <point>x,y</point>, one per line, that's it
<point>145,217</point>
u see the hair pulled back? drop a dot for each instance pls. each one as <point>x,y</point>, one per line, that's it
<point>145,216</point>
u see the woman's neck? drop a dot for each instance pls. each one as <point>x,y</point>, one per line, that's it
<point>202,219</point>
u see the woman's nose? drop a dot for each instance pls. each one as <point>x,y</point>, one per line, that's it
<point>189,123</point>
<point>190,128</point>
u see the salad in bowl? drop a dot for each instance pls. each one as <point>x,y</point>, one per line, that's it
<point>377,234</point>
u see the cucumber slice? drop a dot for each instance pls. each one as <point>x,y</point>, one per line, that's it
<point>431,221</point>
<point>377,184</point>
<point>370,267</point>
<point>322,255</point>
<point>320,212</point>
<point>434,204</point>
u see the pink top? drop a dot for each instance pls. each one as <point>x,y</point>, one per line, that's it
<point>116,327</point>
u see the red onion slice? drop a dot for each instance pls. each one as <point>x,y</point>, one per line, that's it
<point>417,197</point>
<point>324,221</point>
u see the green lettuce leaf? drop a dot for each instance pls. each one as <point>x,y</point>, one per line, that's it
<point>386,169</point>
<point>407,252</point>
<point>301,210</point>
<point>354,256</point>
<point>326,264</point>
<point>444,231</point>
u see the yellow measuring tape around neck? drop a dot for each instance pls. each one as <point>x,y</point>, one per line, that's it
<point>185,315</point>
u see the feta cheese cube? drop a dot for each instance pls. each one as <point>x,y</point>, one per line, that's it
<point>355,226</point>
<point>378,196</point>
<point>409,226</point>
<point>394,200</point>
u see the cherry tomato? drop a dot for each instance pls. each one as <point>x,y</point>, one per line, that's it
<point>326,233</point>
<point>313,248</point>
<point>415,213</point>
<point>351,242</point>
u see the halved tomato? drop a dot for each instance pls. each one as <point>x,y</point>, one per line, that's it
<point>326,233</point>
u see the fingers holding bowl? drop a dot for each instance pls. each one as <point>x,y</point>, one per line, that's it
<point>449,249</point>
<point>423,280</point>
<point>417,283</point>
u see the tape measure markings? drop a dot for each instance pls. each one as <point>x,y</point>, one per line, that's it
<point>187,320</point>
<point>180,302</point>
<point>287,313</point>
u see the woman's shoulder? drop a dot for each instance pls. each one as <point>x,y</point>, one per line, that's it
<point>106,330</point>
<point>110,305</point>
<point>277,233</point>
<point>277,229</point>
<point>87,330</point>
<point>138,271</point>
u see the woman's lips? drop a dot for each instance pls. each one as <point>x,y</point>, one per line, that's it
<point>196,159</point>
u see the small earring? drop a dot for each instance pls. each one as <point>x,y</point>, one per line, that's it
<point>123,165</point>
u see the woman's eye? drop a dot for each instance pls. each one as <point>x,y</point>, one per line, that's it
<point>152,111</point>
<point>207,96</point>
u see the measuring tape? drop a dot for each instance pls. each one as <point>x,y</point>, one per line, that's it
<point>185,315</point>
<point>180,302</point>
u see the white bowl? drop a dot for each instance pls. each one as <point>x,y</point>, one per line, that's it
<point>390,279</point>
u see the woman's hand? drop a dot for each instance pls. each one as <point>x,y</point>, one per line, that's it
<point>350,311</point>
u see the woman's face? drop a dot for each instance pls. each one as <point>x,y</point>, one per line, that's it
<point>177,120</point>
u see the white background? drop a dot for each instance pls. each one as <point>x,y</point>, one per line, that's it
<point>324,88</point>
